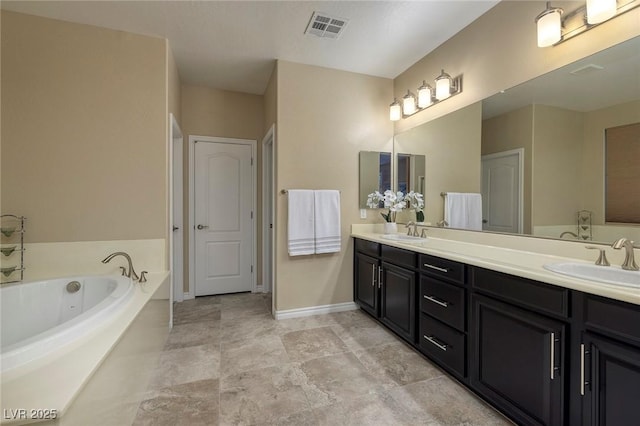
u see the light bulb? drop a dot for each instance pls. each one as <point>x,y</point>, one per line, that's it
<point>409,104</point>
<point>395,112</point>
<point>600,10</point>
<point>443,86</point>
<point>424,95</point>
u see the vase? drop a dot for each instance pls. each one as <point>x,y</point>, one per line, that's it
<point>390,228</point>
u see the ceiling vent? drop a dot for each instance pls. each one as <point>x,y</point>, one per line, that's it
<point>324,25</point>
<point>586,69</point>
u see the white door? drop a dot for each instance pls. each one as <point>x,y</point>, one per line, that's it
<point>178,232</point>
<point>223,218</point>
<point>502,192</point>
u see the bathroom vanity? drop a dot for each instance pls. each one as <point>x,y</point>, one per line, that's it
<point>539,347</point>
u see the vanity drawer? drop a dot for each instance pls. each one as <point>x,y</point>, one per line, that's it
<point>442,343</point>
<point>612,318</point>
<point>368,247</point>
<point>399,256</point>
<point>442,268</point>
<point>443,301</point>
<point>538,296</point>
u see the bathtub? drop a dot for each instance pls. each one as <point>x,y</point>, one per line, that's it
<point>42,316</point>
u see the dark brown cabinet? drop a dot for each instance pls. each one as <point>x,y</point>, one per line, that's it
<point>397,300</point>
<point>518,361</point>
<point>366,283</point>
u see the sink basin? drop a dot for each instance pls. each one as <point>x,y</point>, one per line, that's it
<point>605,274</point>
<point>401,237</point>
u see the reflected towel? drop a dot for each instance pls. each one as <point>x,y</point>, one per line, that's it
<point>327,221</point>
<point>463,210</point>
<point>301,230</point>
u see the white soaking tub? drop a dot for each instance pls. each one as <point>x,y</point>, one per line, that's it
<point>41,316</point>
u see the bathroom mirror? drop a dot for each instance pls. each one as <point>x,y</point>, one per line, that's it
<point>375,174</point>
<point>558,122</point>
<point>410,169</point>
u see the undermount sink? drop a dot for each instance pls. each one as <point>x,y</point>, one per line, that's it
<point>604,274</point>
<point>401,237</point>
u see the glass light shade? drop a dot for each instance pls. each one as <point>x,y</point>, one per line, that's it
<point>443,86</point>
<point>409,104</point>
<point>395,113</point>
<point>549,28</point>
<point>600,10</point>
<point>424,95</point>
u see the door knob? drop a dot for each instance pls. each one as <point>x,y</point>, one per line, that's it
<point>175,228</point>
<point>202,227</point>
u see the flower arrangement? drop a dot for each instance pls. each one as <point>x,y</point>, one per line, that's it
<point>395,202</point>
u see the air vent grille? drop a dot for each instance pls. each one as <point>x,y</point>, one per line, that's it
<point>324,25</point>
<point>587,69</point>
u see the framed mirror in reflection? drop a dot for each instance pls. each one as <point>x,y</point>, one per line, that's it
<point>375,174</point>
<point>558,124</point>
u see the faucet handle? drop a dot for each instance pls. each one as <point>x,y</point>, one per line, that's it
<point>423,234</point>
<point>143,276</point>
<point>602,257</point>
<point>124,271</point>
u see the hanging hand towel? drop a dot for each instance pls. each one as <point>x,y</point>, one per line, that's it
<point>327,218</point>
<point>462,210</point>
<point>301,222</point>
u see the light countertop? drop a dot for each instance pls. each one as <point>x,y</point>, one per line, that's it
<point>518,262</point>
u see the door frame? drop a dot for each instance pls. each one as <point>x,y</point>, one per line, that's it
<point>176,139</point>
<point>192,206</point>
<point>268,215</point>
<point>520,153</point>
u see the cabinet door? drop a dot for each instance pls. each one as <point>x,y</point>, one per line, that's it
<point>611,382</point>
<point>366,283</point>
<point>397,300</point>
<point>517,361</point>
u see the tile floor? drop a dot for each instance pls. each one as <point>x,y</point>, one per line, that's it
<point>227,362</point>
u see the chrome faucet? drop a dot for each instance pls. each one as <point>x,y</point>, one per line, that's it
<point>415,228</point>
<point>629,261</point>
<point>131,274</point>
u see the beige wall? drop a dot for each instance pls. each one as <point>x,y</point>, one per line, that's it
<point>451,146</point>
<point>509,131</point>
<point>221,113</point>
<point>84,134</point>
<point>174,88</point>
<point>592,181</point>
<point>557,158</point>
<point>325,118</point>
<point>271,101</point>
<point>499,51</point>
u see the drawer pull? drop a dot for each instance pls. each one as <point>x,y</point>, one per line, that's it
<point>436,301</point>
<point>432,340</point>
<point>437,268</point>
<point>373,275</point>
<point>583,382</point>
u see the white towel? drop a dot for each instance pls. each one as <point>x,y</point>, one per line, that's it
<point>462,210</point>
<point>327,218</point>
<point>301,232</point>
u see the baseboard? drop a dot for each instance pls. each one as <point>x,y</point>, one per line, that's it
<point>315,310</point>
<point>258,289</point>
<point>187,296</point>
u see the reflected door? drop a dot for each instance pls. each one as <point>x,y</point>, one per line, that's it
<point>502,192</point>
<point>223,218</point>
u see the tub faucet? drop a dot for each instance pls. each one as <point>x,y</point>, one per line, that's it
<point>131,274</point>
<point>569,233</point>
<point>629,262</point>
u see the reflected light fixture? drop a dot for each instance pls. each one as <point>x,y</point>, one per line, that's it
<point>549,25</point>
<point>443,86</point>
<point>395,113</point>
<point>424,95</point>
<point>409,104</point>
<point>600,10</point>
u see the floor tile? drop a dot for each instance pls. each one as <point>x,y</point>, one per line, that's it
<point>194,403</point>
<point>262,396</point>
<point>303,323</point>
<point>245,355</point>
<point>338,378</point>
<point>302,345</point>
<point>398,363</point>
<point>447,402</point>
<point>247,328</point>
<point>185,365</point>
<point>195,313</point>
<point>193,334</point>
<point>363,334</point>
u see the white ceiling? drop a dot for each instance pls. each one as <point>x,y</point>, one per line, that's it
<point>232,45</point>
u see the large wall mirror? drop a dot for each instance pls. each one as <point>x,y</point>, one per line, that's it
<point>546,140</point>
<point>375,174</point>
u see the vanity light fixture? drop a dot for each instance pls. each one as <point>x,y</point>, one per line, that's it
<point>549,25</point>
<point>600,10</point>
<point>445,87</point>
<point>409,104</point>
<point>395,111</point>
<point>555,25</point>
<point>424,95</point>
